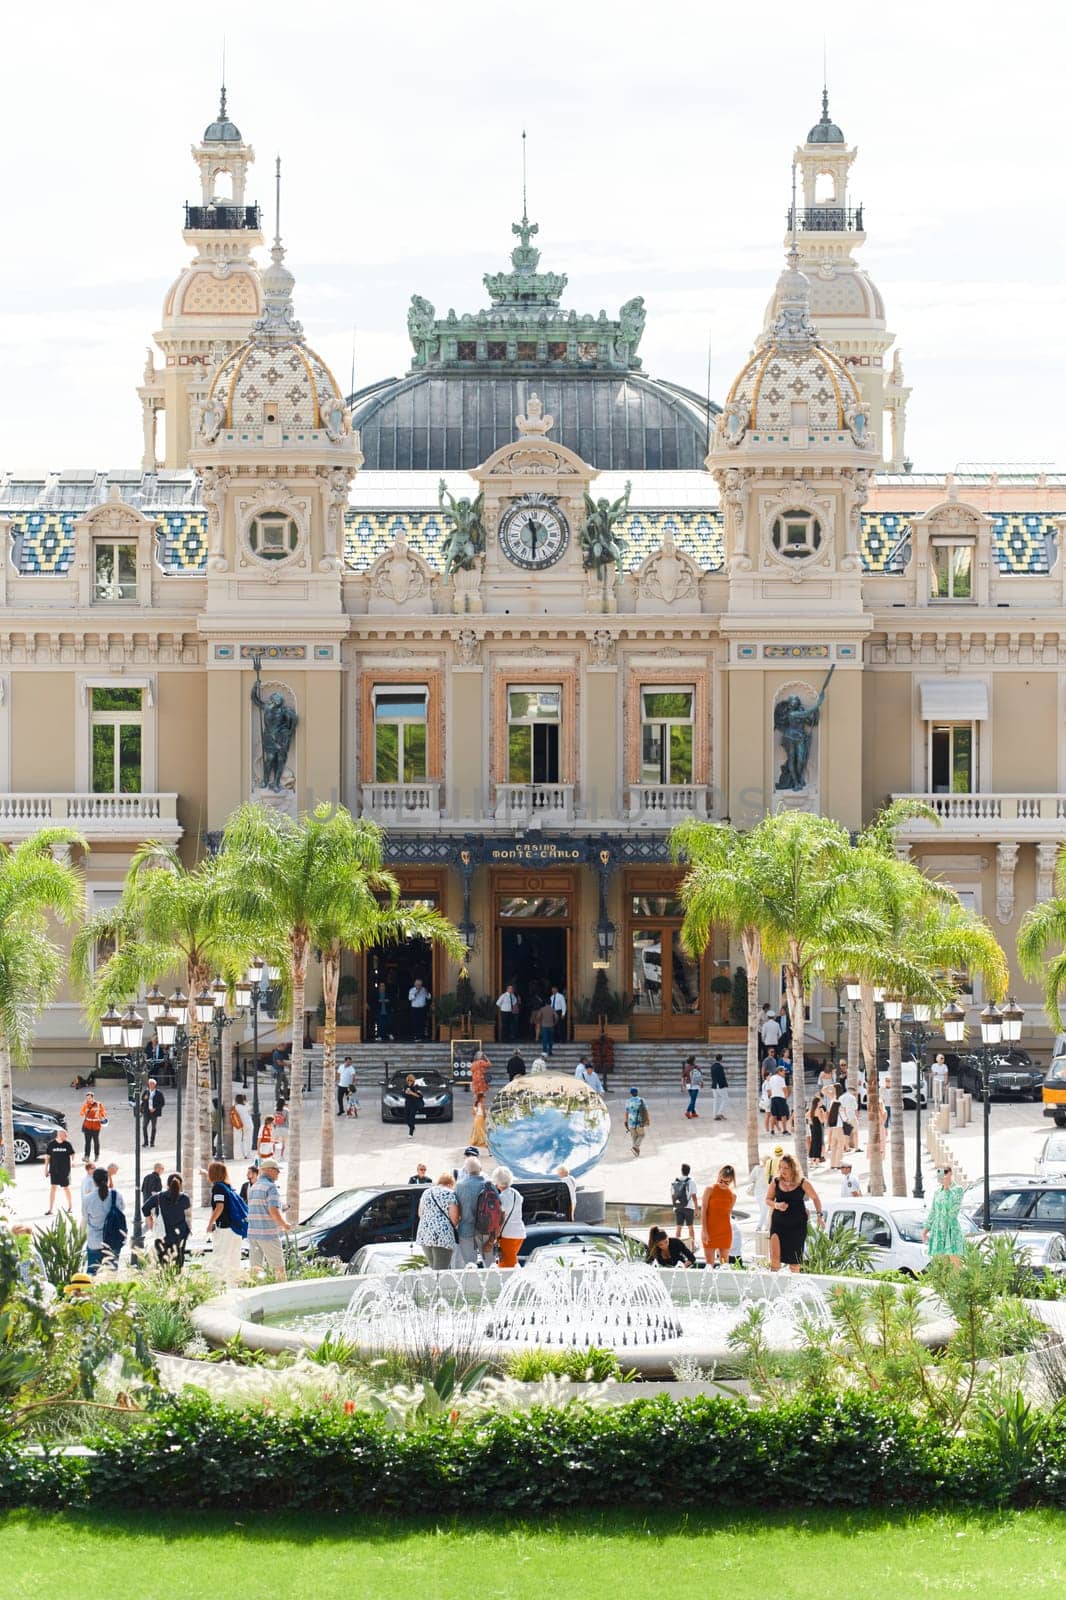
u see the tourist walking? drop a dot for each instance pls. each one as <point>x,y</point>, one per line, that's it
<point>666,1252</point>
<point>939,1075</point>
<point>516,1067</point>
<point>345,1079</point>
<point>544,1022</point>
<point>513,1230</point>
<point>105,1223</point>
<point>172,1208</point>
<point>266,1222</point>
<point>557,1001</point>
<point>716,1217</point>
<point>849,1113</point>
<point>594,1081</point>
<point>58,1156</point>
<point>834,1124</point>
<point>436,1235</point>
<point>265,1146</point>
<point>418,998</point>
<point>637,1119</point>
<point>478,1135</point>
<point>243,1127</point>
<point>152,1182</point>
<point>93,1117</point>
<point>480,1068</point>
<point>943,1230</point>
<point>816,1119</point>
<point>470,1243</point>
<point>508,1005</point>
<point>777,1089</point>
<point>719,1089</point>
<point>227,1225</point>
<point>786,1199</point>
<point>413,1102</point>
<point>152,1102</point>
<point>683,1196</point>
<point>695,1084</point>
<point>769,1028</point>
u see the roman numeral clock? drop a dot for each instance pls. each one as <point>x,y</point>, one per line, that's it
<point>534,531</point>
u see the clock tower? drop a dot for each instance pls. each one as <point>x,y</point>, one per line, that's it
<point>534,510</point>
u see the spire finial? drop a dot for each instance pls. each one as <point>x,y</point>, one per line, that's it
<point>524,209</point>
<point>222,96</point>
<point>277,203</point>
<point>793,252</point>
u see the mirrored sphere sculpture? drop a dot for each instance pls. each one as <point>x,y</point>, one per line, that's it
<point>545,1121</point>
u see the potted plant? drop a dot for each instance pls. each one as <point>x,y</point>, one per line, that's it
<point>604,1014</point>
<point>736,1030</point>
<point>721,984</point>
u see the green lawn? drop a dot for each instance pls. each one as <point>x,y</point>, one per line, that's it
<point>865,1556</point>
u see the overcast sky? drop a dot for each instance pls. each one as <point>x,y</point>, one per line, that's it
<point>660,142</point>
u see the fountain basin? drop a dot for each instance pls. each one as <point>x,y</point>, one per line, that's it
<point>680,1314</point>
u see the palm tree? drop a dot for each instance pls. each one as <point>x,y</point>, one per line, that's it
<point>1043,927</point>
<point>318,883</point>
<point>720,890</point>
<point>37,883</point>
<point>167,923</point>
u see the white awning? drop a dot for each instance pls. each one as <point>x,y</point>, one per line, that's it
<point>954,700</point>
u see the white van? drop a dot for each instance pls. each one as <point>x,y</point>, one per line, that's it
<point>893,1224</point>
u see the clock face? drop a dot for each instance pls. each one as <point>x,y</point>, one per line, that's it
<point>533,532</point>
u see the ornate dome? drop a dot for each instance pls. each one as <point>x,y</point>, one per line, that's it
<point>274,376</point>
<point>825,131</point>
<point>792,380</point>
<point>209,290</point>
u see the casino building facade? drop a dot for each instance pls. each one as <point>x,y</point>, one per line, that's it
<point>528,730</point>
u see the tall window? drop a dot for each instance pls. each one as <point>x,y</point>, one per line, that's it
<point>116,741</point>
<point>114,570</point>
<point>951,569</point>
<point>400,735</point>
<point>666,735</point>
<point>952,757</point>
<point>533,717</point>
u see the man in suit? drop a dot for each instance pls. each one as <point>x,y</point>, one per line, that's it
<point>152,1102</point>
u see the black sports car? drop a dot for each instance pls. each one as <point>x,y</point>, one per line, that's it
<point>436,1092</point>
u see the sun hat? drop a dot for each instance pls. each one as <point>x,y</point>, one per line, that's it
<point>846,1160</point>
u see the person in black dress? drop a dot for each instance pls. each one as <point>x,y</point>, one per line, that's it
<point>816,1142</point>
<point>786,1201</point>
<point>173,1209</point>
<point>666,1252</point>
<point>413,1102</point>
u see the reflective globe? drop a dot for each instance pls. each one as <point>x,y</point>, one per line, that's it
<point>545,1121</point>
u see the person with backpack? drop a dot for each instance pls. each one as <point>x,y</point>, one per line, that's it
<point>228,1223</point>
<point>683,1194</point>
<point>637,1119</point>
<point>105,1223</point>
<point>476,1215</point>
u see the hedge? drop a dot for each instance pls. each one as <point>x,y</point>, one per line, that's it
<point>849,1452</point>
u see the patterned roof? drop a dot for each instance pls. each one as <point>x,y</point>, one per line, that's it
<point>43,541</point>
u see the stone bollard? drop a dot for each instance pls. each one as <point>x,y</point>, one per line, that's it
<point>943,1119</point>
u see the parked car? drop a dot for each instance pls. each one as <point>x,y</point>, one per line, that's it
<point>33,1129</point>
<point>1013,1075</point>
<point>544,1242</point>
<point>1019,1204</point>
<point>31,1108</point>
<point>357,1217</point>
<point>438,1101</point>
<point>1051,1162</point>
<point>908,1077</point>
<point>893,1225</point>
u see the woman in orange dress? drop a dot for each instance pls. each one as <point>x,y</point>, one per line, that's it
<point>716,1217</point>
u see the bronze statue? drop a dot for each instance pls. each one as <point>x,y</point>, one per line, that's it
<point>796,722</point>
<point>465,540</point>
<point>601,542</point>
<point>277,724</point>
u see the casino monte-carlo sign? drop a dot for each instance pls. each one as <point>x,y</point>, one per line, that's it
<point>533,852</point>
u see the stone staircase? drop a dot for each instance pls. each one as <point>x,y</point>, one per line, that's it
<point>654,1066</point>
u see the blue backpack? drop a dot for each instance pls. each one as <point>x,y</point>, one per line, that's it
<point>115,1229</point>
<point>238,1212</point>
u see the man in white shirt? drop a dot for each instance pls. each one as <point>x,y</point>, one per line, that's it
<point>418,998</point>
<point>770,1031</point>
<point>557,1001</point>
<point>777,1089</point>
<point>849,1112</point>
<point>508,1005</point>
<point>940,1080</point>
<point>345,1079</point>
<point>849,1185</point>
<point>593,1079</point>
<point>581,1071</point>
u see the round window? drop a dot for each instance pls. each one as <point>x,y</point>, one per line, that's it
<point>796,534</point>
<point>272,536</point>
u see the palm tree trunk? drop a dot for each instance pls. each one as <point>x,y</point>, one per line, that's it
<point>897,1150</point>
<point>293,1144</point>
<point>795,994</point>
<point>331,972</point>
<point>874,1142</point>
<point>7,1114</point>
<point>752,947</point>
<point>853,1047</point>
<point>225,1093</point>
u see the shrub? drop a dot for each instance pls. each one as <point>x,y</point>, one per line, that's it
<point>842,1252</point>
<point>588,1365</point>
<point>61,1248</point>
<point>738,1006</point>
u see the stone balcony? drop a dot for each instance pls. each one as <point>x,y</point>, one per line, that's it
<point>401,805</point>
<point>661,805</point>
<point>130,817</point>
<point>525,805</point>
<point>1013,816</point>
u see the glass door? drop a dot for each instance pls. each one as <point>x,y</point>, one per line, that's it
<point>665,983</point>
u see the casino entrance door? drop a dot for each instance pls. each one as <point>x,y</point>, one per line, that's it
<point>532,916</point>
<point>667,985</point>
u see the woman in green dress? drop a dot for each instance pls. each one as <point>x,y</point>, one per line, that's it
<point>943,1231</point>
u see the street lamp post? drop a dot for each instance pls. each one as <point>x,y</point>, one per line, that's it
<point>991,1034</point>
<point>127,1031</point>
<point>920,1015</point>
<point>248,994</point>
